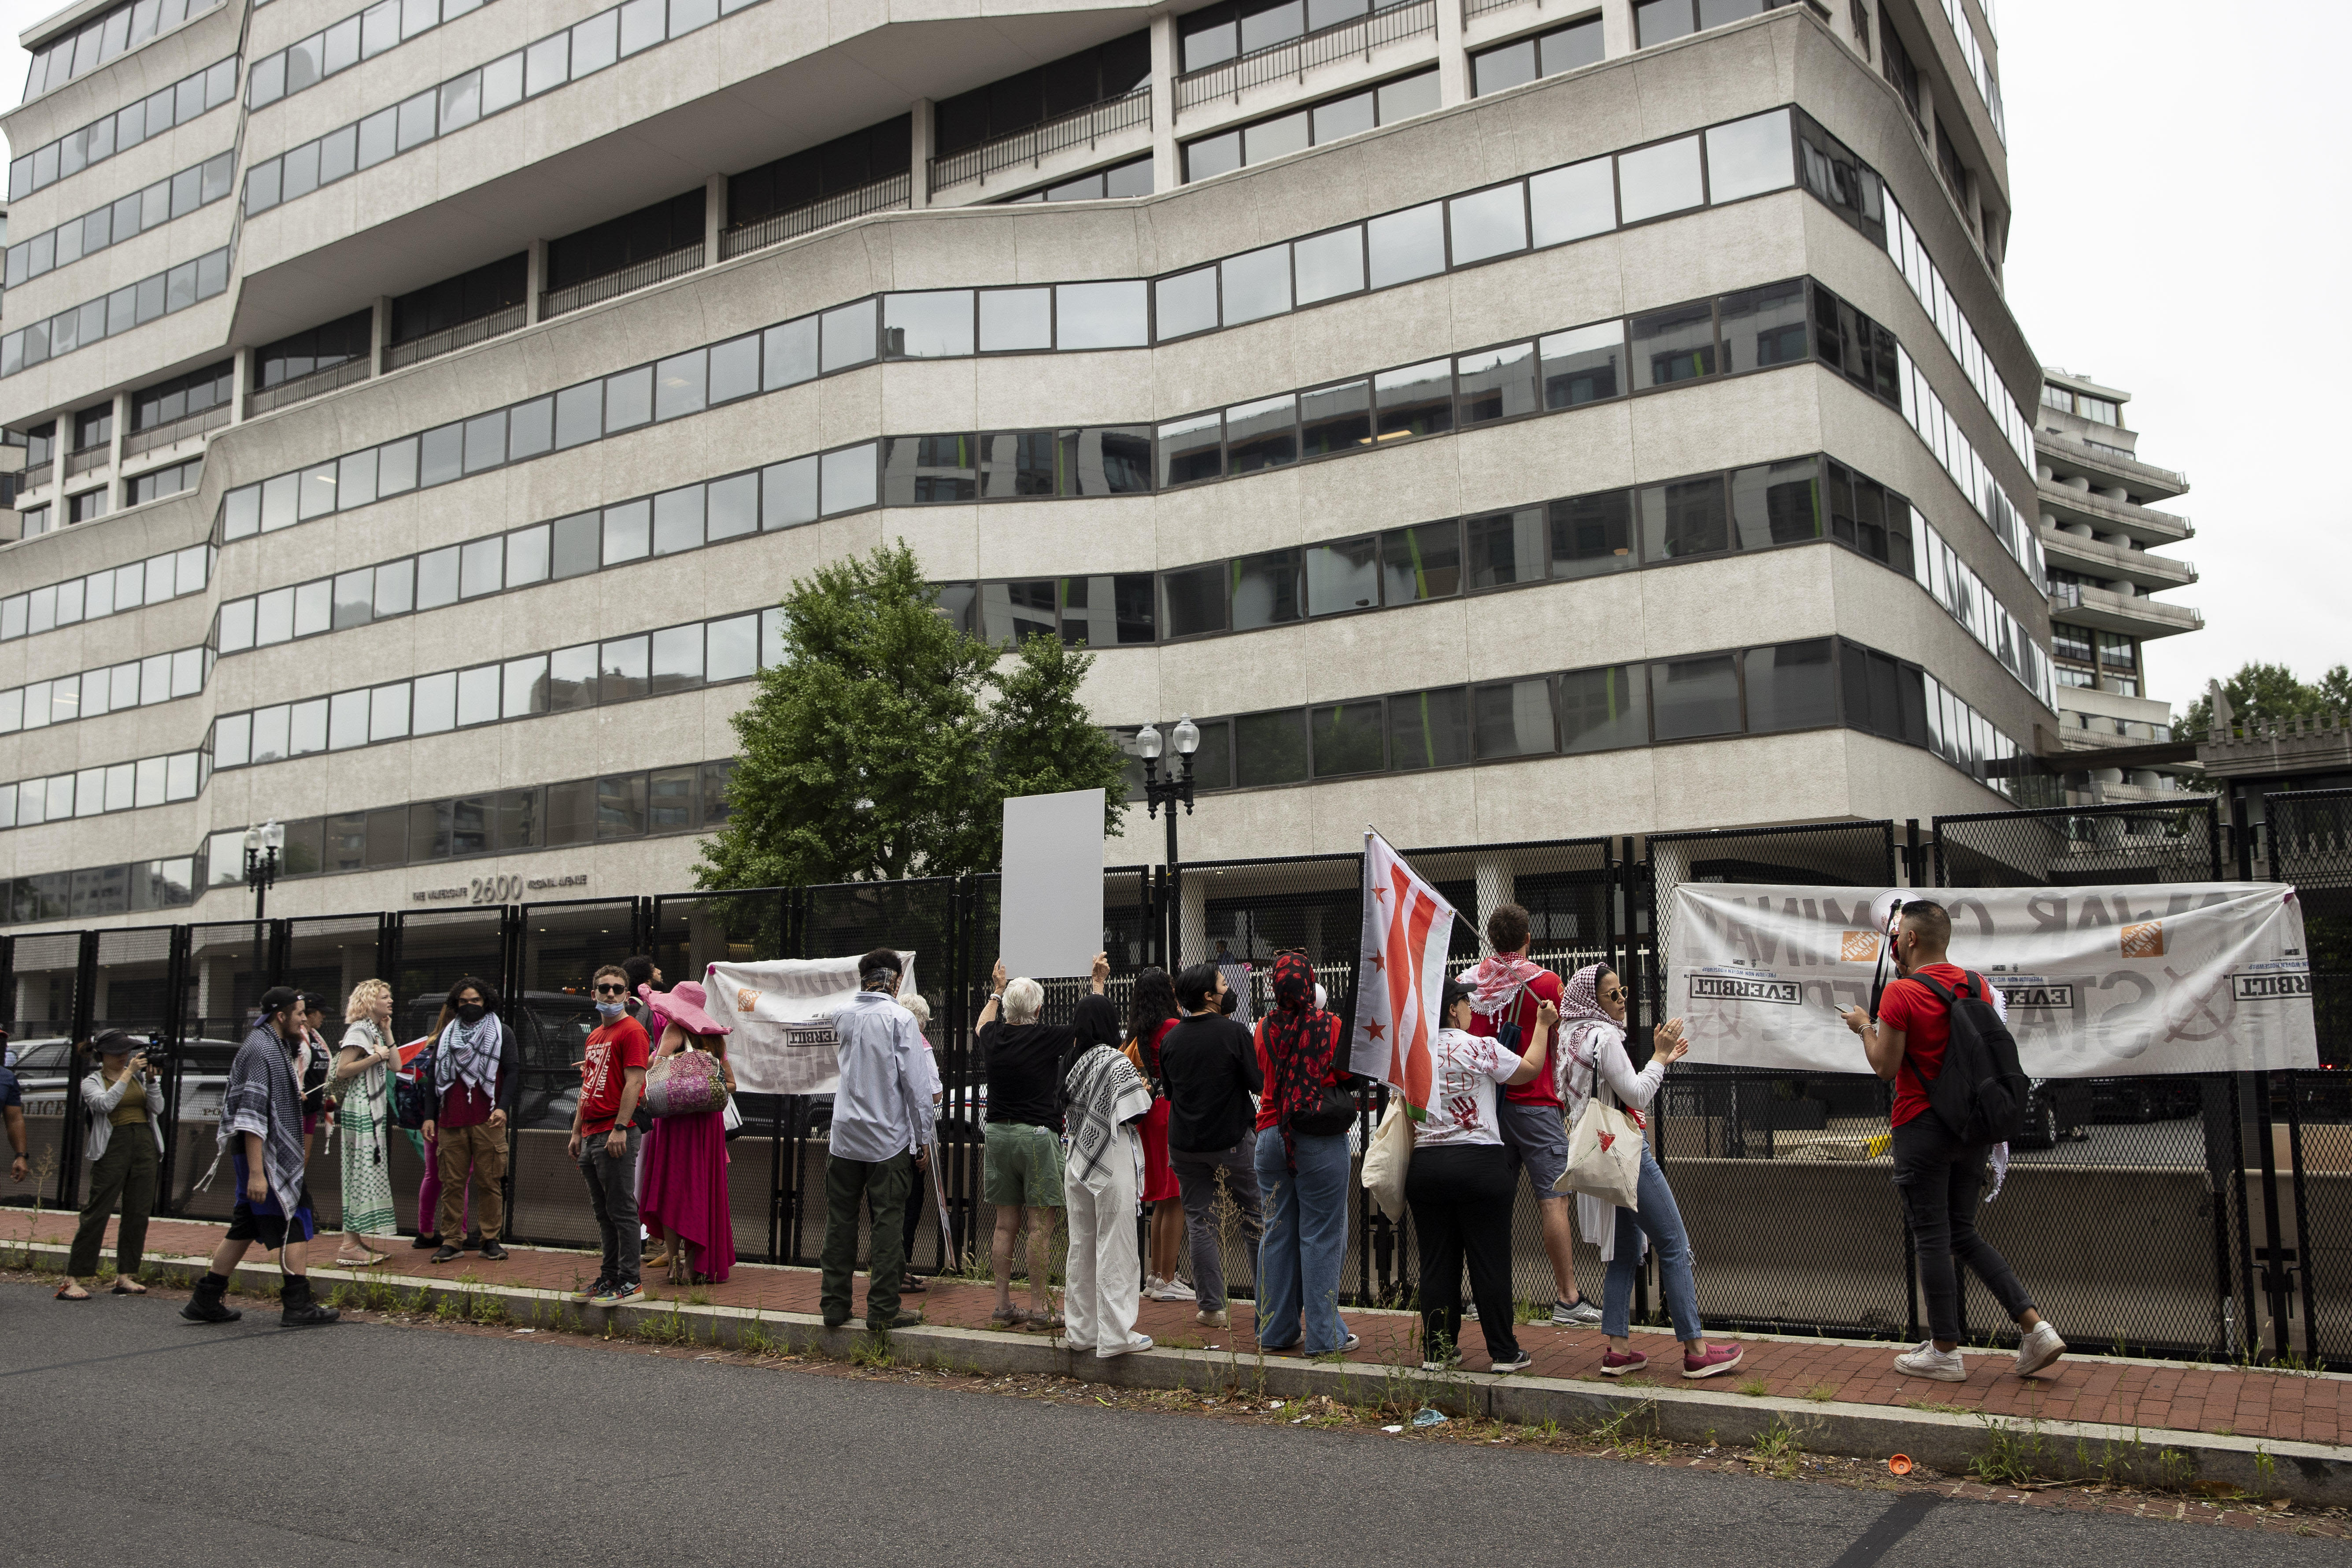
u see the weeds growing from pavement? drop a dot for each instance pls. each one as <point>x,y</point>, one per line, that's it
<point>1777,1452</point>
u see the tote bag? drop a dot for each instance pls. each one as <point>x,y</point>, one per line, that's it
<point>1386,1157</point>
<point>1604,1149</point>
<point>686,1084</point>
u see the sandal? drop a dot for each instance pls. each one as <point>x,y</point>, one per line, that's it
<point>912,1285</point>
<point>1007,1317</point>
<point>1049,1321</point>
<point>66,1292</point>
<point>128,1287</point>
<point>370,1261</point>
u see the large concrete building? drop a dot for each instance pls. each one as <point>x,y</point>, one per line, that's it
<point>1491,419</point>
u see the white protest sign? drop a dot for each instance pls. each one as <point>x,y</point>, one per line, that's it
<point>2101,981</point>
<point>1052,911</point>
<point>782,1014</point>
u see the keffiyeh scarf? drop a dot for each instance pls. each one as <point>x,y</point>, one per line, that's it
<point>1103,1093</point>
<point>1496,981</point>
<point>469,1053</point>
<point>1582,1020</point>
<point>264,1100</point>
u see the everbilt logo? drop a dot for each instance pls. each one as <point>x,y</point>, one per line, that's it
<point>2038,994</point>
<point>1723,988</point>
<point>2269,987</point>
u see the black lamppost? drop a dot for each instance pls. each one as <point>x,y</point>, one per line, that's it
<point>1158,792</point>
<point>261,847</point>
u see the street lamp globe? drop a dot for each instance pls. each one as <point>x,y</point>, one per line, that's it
<point>253,840</point>
<point>1146,742</point>
<point>1188,736</point>
<point>273,835</point>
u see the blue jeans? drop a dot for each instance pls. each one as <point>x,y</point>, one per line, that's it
<point>1306,1237</point>
<point>1664,1223</point>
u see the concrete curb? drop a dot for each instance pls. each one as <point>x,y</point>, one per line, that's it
<point>2314,1474</point>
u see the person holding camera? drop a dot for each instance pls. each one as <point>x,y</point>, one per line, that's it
<point>124,1145</point>
<point>1303,1172</point>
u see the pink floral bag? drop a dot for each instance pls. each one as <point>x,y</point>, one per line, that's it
<point>690,1083</point>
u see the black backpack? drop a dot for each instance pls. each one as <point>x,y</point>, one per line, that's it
<point>1979,1094</point>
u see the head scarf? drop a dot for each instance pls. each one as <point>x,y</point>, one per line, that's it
<point>1300,1040</point>
<point>1581,1018</point>
<point>1496,980</point>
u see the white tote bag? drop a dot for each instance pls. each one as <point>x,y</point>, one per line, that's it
<point>1604,1150</point>
<point>1385,1159</point>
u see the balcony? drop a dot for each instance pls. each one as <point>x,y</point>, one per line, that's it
<point>627,281</point>
<point>2140,617</point>
<point>2074,553</point>
<point>156,437</point>
<point>1296,56</point>
<point>2114,516</point>
<point>36,474</point>
<point>89,458</point>
<point>1028,149</point>
<point>2110,461</point>
<point>318,383</point>
<point>883,195</point>
<point>449,340</point>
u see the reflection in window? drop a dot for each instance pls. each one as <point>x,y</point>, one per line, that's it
<point>1415,401</point>
<point>1507,548</point>
<point>1193,601</point>
<point>1345,575</point>
<point>1602,710</point>
<point>1428,729</point>
<point>1423,561</point>
<point>1011,613</point>
<point>1192,450</point>
<point>1776,503</point>
<point>1498,383</point>
<point>1694,697</point>
<point>1592,535</point>
<point>1763,327</point>
<point>1106,611</point>
<point>1106,461</point>
<point>1684,519</point>
<point>1347,739</point>
<point>1584,364</point>
<point>1336,418</point>
<point>1512,719</point>
<point>1654,180</point>
<point>1262,435</point>
<point>1012,463</point>
<point>1267,589</point>
<point>921,470</point>
<point>1270,748</point>
<point>1675,345</point>
<point>1790,687</point>
<point>1748,157</point>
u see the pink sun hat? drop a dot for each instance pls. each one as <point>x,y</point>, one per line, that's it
<point>682,1004</point>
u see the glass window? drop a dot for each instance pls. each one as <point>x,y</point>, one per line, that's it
<point>1016,463</point>
<point>1592,535</point>
<point>444,455</point>
<point>1193,601</point>
<point>1763,326</point>
<point>1104,612</point>
<point>1343,575</point>
<point>1573,202</point>
<point>921,470</point>
<point>623,669</point>
<point>845,480</point>
<point>1269,748</point>
<point>1013,319</point>
<point>1510,66</point>
<point>355,479</point>
<point>395,588</point>
<point>1792,687</point>
<point>1404,100</point>
<point>1104,461</point>
<point>1748,157</point>
<point>482,568</point>
<point>788,493</point>
<point>732,650</point>
<point>314,607</point>
<point>1428,729</point>
<point>628,399</point>
<point>1347,739</point>
<point>1407,245</point>
<point>733,507</point>
<point>306,728</point>
<point>1498,383</point>
<point>1684,519</point>
<point>571,813</point>
<point>1776,503</point>
<point>388,711</point>
<point>1257,284</point>
<point>572,678</point>
<point>1101,315</point>
<point>1415,401</point>
<point>1423,561</point>
<point>1488,223</point>
<point>669,807</point>
<point>579,545</point>
<point>621,806</point>
<point>734,370</point>
<point>396,467</point>
<point>595,43</point>
<point>677,519</point>
<point>478,695</point>
<point>1011,613</point>
<point>1330,265</point>
<point>1654,180</point>
<point>1583,364</point>
<point>1512,719</point>
<point>1656,21</point>
<point>1192,450</point>
<point>676,659</point>
<point>1186,303</point>
<point>681,385</point>
<point>1212,155</point>
<point>527,556</point>
<point>627,532</point>
<point>347,720</point>
<point>1273,138</point>
<point>1506,548</point>
<point>788,353</point>
<point>935,324</point>
<point>1262,435</point>
<point>433,703</point>
<point>1268,589</point>
<point>232,740</point>
<point>1675,345</point>
<point>1603,709</point>
<point>1336,418</point>
<point>355,598</point>
<point>847,335</point>
<point>436,578</point>
<point>1693,697</point>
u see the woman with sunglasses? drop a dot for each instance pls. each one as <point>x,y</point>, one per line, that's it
<point>1592,1035</point>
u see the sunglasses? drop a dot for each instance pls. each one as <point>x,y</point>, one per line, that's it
<point>1615,993</point>
<point>612,991</point>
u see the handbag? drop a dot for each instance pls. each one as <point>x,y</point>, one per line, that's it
<point>690,1083</point>
<point>1334,1107</point>
<point>1604,1150</point>
<point>733,1120</point>
<point>1386,1157</point>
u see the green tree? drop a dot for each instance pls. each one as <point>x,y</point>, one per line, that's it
<point>871,751</point>
<point>2270,694</point>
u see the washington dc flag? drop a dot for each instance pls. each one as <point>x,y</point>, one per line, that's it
<point>1400,970</point>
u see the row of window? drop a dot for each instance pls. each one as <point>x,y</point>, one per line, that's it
<point>123,129</point>
<point>361,35</point>
<point>132,305</point>
<point>176,196</point>
<point>199,390</point>
<point>587,675</point>
<point>132,889</point>
<point>1131,178</point>
<point>1013,104</point>
<point>113,33</point>
<point>93,791</point>
<point>1313,126</point>
<point>1215,33</point>
<point>1979,65</point>
<point>1661,21</point>
<point>87,598</point>
<point>1523,60</point>
<point>134,683</point>
<point>579,50</point>
<point>153,485</point>
<point>2099,410</point>
<point>317,348</point>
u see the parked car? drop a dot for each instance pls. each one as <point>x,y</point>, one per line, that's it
<point>2060,1109</point>
<point>41,1073</point>
<point>2143,1099</point>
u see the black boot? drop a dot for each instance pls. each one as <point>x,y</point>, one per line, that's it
<point>426,1238</point>
<point>299,1309</point>
<point>206,1305</point>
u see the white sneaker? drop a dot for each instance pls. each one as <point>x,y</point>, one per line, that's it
<point>1926,1360</point>
<point>1581,1315</point>
<point>1141,1342</point>
<point>1168,1290</point>
<point>2039,1347</point>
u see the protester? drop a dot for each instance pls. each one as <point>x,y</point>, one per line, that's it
<point>362,1079</point>
<point>1592,1014</point>
<point>920,1198</point>
<point>262,1131</point>
<point>1151,1013</point>
<point>311,1068</point>
<point>1021,1160</point>
<point>1460,1184</point>
<point>1102,1167</point>
<point>12,1116</point>
<point>124,1145</point>
<point>1303,1174</point>
<point>1506,988</point>
<point>1938,1177</point>
<point>476,1083</point>
<point>881,1112</point>
<point>684,1198</point>
<point>1209,1068</point>
<point>645,978</point>
<point>603,1141</point>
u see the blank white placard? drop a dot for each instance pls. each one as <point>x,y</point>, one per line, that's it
<point>1051,915</point>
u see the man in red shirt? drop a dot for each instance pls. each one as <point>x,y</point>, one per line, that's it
<point>604,1139</point>
<point>1937,1175</point>
<point>1507,987</point>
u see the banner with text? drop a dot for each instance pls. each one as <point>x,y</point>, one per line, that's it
<point>782,1012</point>
<point>2101,981</point>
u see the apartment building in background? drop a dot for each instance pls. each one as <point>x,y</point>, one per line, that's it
<point>1492,419</point>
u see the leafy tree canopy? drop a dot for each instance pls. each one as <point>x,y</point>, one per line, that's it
<point>2269,694</point>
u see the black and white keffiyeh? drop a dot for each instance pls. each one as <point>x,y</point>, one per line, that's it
<point>469,1052</point>
<point>1102,1093</point>
<point>264,1098</point>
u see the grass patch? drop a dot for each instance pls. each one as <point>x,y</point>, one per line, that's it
<point>2012,1455</point>
<point>1777,1452</point>
<point>1753,1387</point>
<point>1821,1393</point>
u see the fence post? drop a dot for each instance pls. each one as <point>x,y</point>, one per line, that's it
<point>2241,840</point>
<point>69,1131</point>
<point>1914,864</point>
<point>175,1029</point>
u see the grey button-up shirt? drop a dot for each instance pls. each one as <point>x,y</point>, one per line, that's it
<point>883,1108</point>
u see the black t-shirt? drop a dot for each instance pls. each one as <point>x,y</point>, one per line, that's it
<point>1024,1064</point>
<point>1210,1066</point>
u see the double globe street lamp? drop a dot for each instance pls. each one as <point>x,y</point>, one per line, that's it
<point>261,847</point>
<point>1168,792</point>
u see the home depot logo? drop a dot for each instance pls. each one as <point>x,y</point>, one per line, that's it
<point>2145,940</point>
<point>1858,947</point>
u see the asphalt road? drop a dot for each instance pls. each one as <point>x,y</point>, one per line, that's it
<point>136,1439</point>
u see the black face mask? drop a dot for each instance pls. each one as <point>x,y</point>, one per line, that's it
<point>470,1012</point>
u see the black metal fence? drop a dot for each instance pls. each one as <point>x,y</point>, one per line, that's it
<point>2207,1216</point>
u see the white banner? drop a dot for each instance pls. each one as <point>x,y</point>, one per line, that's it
<point>782,1014</point>
<point>2101,981</point>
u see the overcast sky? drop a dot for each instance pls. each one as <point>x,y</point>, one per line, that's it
<point>2180,192</point>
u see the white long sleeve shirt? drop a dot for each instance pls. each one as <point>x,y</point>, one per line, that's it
<point>883,1106</point>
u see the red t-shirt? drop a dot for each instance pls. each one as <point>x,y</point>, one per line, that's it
<point>1926,1028</point>
<point>612,1049</point>
<point>1544,987</point>
<point>1266,1114</point>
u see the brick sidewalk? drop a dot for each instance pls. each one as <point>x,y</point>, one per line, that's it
<point>2150,1395</point>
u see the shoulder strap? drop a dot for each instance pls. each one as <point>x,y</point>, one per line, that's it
<point>1935,986</point>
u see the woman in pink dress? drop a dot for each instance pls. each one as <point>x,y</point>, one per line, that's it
<point>683,1197</point>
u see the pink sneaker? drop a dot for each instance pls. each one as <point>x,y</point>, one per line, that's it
<point>1615,1365</point>
<point>1710,1361</point>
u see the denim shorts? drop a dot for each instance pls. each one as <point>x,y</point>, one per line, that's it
<point>1537,1137</point>
<point>1023,1166</point>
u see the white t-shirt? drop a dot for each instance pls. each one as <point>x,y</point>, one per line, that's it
<point>1467,1067</point>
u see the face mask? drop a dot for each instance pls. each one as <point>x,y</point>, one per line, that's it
<point>612,1009</point>
<point>470,1012</point>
